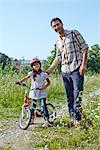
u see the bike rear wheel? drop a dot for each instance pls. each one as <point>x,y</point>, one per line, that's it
<point>51,111</point>
<point>25,118</point>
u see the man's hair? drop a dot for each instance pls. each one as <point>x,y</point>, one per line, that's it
<point>54,19</point>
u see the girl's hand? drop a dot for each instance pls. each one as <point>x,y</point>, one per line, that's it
<point>46,85</point>
<point>18,82</point>
<point>40,88</point>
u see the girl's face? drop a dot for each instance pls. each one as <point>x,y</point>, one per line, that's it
<point>36,66</point>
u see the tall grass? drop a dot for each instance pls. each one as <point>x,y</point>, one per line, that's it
<point>56,92</point>
<point>11,95</point>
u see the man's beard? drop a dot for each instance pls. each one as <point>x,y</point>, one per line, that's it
<point>56,30</point>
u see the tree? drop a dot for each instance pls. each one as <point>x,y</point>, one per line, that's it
<point>93,64</point>
<point>46,63</point>
<point>4,60</point>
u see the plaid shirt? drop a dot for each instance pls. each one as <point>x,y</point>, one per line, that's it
<point>70,50</point>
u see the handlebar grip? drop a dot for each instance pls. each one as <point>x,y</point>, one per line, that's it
<point>20,83</point>
<point>23,84</point>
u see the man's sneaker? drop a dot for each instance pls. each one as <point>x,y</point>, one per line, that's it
<point>76,123</point>
<point>71,122</point>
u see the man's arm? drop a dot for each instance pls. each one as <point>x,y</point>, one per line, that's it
<point>84,62</point>
<point>84,48</point>
<point>53,65</point>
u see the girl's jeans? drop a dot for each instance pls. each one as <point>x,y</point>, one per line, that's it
<point>73,83</point>
<point>43,106</point>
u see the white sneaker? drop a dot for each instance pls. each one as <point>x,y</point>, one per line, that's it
<point>47,124</point>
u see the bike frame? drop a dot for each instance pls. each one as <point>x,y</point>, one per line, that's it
<point>27,100</point>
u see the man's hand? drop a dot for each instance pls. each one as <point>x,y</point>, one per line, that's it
<point>82,69</point>
<point>53,65</point>
<point>48,71</point>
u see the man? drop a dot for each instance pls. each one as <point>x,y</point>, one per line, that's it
<point>72,53</point>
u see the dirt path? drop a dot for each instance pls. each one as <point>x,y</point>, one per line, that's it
<point>12,136</point>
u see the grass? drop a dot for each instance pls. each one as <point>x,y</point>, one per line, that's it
<point>11,96</point>
<point>85,137</point>
<point>6,148</point>
<point>92,83</point>
<point>65,138</point>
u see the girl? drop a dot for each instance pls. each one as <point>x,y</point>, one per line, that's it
<point>39,81</point>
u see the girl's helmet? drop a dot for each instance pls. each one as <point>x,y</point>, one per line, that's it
<point>35,60</point>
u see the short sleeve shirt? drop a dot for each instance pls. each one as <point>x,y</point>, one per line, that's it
<point>39,81</point>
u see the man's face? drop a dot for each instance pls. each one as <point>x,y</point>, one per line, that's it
<point>57,26</point>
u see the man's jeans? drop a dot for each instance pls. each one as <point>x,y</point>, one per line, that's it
<point>73,83</point>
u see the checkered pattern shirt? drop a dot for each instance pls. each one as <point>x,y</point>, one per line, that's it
<point>70,50</point>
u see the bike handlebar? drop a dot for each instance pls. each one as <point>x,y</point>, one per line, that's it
<point>20,83</point>
<point>23,84</point>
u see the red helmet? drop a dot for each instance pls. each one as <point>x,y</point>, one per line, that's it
<point>34,60</point>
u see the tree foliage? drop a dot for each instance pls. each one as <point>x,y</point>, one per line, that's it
<point>4,60</point>
<point>48,62</point>
<point>93,64</point>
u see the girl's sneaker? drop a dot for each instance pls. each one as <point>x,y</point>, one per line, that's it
<point>32,122</point>
<point>47,124</point>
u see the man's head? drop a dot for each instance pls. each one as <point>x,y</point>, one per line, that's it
<point>57,25</point>
<point>54,19</point>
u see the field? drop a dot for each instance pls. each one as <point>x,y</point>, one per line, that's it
<point>60,136</point>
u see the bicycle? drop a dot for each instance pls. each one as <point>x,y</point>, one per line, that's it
<point>27,109</point>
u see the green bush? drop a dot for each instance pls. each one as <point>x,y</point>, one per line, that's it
<point>93,64</point>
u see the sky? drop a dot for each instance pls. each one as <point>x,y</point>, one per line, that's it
<point>25,30</point>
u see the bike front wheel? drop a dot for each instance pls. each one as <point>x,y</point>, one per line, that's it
<point>51,111</point>
<point>25,117</point>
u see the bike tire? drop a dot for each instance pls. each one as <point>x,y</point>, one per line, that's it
<point>25,118</point>
<point>51,111</point>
